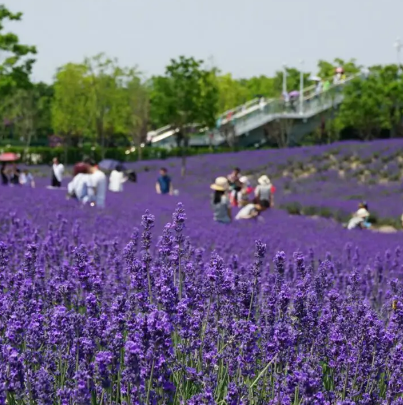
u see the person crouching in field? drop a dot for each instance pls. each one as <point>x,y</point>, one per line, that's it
<point>360,217</point>
<point>220,201</point>
<point>252,210</point>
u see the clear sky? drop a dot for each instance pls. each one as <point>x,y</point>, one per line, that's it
<point>244,37</point>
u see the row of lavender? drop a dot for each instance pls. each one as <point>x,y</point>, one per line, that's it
<point>95,311</point>
<point>334,177</point>
<point>330,177</point>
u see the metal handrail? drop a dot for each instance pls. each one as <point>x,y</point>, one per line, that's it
<point>248,110</point>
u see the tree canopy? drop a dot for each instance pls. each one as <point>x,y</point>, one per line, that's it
<point>16,63</point>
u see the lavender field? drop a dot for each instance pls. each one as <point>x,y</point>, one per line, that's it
<point>164,306</point>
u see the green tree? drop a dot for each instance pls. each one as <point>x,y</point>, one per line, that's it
<point>364,107</point>
<point>326,70</point>
<point>26,113</point>
<point>70,104</point>
<point>232,93</point>
<point>391,84</point>
<point>259,86</point>
<point>186,95</point>
<point>44,97</point>
<point>106,99</point>
<point>20,109</point>
<point>137,109</point>
<point>15,68</point>
<point>293,80</point>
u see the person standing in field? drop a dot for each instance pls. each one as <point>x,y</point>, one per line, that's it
<point>116,179</point>
<point>97,185</point>
<point>4,174</point>
<point>15,175</point>
<point>164,183</point>
<point>57,173</point>
<point>235,185</point>
<point>220,202</point>
<point>264,191</point>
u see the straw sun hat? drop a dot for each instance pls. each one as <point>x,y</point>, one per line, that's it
<point>264,180</point>
<point>220,184</point>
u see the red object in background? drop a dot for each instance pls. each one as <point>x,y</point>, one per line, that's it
<point>273,189</point>
<point>8,157</point>
<point>80,168</point>
<point>229,116</point>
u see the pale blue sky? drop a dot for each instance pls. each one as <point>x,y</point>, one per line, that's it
<point>246,38</point>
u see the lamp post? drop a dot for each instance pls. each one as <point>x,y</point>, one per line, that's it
<point>301,88</point>
<point>398,45</point>
<point>284,78</point>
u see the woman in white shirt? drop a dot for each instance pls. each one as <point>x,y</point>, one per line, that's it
<point>116,180</point>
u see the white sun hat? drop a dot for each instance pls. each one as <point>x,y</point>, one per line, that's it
<point>220,184</point>
<point>264,180</point>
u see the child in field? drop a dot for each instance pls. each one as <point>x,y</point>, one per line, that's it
<point>252,210</point>
<point>360,217</point>
<point>220,202</point>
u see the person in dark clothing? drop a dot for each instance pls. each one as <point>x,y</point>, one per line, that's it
<point>164,183</point>
<point>4,177</point>
<point>235,185</point>
<point>57,173</point>
<point>15,176</point>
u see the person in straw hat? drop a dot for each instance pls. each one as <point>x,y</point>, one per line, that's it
<point>264,191</point>
<point>220,201</point>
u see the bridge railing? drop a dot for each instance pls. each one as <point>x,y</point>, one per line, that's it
<point>258,111</point>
